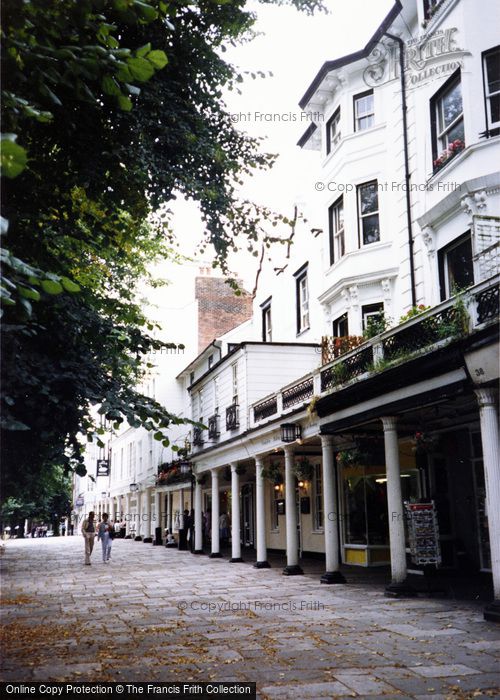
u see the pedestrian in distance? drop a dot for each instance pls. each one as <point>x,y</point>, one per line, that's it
<point>89,533</point>
<point>105,533</point>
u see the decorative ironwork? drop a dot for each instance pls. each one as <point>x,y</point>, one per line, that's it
<point>198,437</point>
<point>348,369</point>
<point>487,305</point>
<point>176,472</point>
<point>266,408</point>
<point>213,427</point>
<point>298,393</point>
<point>448,323</point>
<point>333,347</point>
<point>232,417</point>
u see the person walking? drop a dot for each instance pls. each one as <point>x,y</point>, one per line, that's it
<point>105,533</point>
<point>88,531</point>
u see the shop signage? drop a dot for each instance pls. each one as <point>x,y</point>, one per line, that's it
<point>103,467</point>
<point>423,532</point>
<point>80,501</point>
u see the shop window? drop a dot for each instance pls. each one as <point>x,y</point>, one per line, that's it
<point>456,270</point>
<point>491,79</point>
<point>333,134</point>
<point>318,497</point>
<point>447,119</point>
<point>364,111</point>
<point>336,230</point>
<point>368,213</point>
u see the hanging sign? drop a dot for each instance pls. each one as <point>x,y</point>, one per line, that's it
<point>423,532</point>
<point>102,467</point>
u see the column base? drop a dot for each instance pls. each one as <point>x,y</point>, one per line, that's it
<point>198,551</point>
<point>492,611</point>
<point>332,577</point>
<point>155,543</point>
<point>215,555</point>
<point>400,590</point>
<point>148,539</point>
<point>262,565</point>
<point>294,570</point>
<point>138,538</point>
<point>235,560</point>
<point>127,537</point>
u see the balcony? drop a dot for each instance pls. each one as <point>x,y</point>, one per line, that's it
<point>232,417</point>
<point>357,359</point>
<point>213,427</point>
<point>176,472</point>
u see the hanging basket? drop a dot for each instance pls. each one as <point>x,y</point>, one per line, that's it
<point>304,470</point>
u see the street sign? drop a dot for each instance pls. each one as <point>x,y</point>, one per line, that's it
<point>103,467</point>
<point>423,532</point>
<point>80,501</point>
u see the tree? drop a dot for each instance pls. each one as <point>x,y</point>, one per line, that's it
<point>110,107</point>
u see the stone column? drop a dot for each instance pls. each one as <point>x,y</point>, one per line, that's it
<point>127,514</point>
<point>488,416</point>
<point>292,567</point>
<point>330,514</point>
<point>112,509</point>
<point>398,587</point>
<point>157,522</point>
<point>138,519</point>
<point>235,516</point>
<point>146,522</point>
<point>198,520</point>
<point>215,515</point>
<point>260,509</point>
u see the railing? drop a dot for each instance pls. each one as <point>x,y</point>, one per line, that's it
<point>298,393</point>
<point>213,427</point>
<point>333,347</point>
<point>452,319</point>
<point>198,437</point>
<point>232,417</point>
<point>265,409</point>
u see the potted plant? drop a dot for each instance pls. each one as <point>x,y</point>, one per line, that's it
<point>303,469</point>
<point>273,473</point>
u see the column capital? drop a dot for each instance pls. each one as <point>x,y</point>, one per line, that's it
<point>214,472</point>
<point>289,449</point>
<point>389,422</point>
<point>234,467</point>
<point>487,396</point>
<point>326,440</point>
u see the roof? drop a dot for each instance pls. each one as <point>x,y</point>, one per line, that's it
<point>350,58</point>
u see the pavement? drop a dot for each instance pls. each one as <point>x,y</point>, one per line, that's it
<point>157,614</point>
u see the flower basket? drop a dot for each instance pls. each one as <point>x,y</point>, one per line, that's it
<point>304,470</point>
<point>272,473</point>
<point>453,149</point>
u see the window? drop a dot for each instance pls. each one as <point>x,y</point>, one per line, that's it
<point>333,134</point>
<point>318,497</point>
<point>341,327</point>
<point>122,462</point>
<point>371,314</point>
<point>276,499</point>
<point>216,394</point>
<point>191,377</point>
<point>369,229</point>
<point>139,450</point>
<point>456,270</point>
<point>336,227</point>
<point>429,6</point>
<point>364,114</point>
<point>267,329</point>
<point>234,371</point>
<point>200,405</point>
<point>491,73</point>
<point>302,299</point>
<point>210,362</point>
<point>150,449</point>
<point>448,135</point>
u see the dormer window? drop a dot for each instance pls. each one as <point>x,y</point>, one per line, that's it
<point>333,134</point>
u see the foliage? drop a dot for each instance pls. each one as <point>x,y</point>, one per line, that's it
<point>110,107</point>
<point>272,473</point>
<point>304,469</point>
<point>375,325</point>
<point>414,311</point>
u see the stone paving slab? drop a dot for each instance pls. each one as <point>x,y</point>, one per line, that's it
<point>163,615</point>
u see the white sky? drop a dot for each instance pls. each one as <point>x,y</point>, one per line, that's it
<point>293,47</point>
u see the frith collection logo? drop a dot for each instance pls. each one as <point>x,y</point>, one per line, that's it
<point>425,58</point>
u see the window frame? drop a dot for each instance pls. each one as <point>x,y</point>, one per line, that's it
<point>492,128</point>
<point>356,118</point>
<point>301,300</point>
<point>334,119</point>
<point>336,235</point>
<point>436,134</point>
<point>361,216</point>
<point>234,380</point>
<point>318,504</point>
<point>267,326</point>
<point>344,318</point>
<point>444,282</point>
<point>369,311</point>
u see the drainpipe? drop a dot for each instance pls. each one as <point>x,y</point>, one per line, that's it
<point>404,108</point>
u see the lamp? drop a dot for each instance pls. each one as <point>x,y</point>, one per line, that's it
<point>104,494</point>
<point>301,484</point>
<point>185,467</point>
<point>290,432</point>
<point>134,487</point>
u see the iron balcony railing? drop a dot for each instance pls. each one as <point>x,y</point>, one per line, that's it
<point>232,417</point>
<point>213,427</point>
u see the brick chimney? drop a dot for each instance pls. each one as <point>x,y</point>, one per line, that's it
<point>219,309</point>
